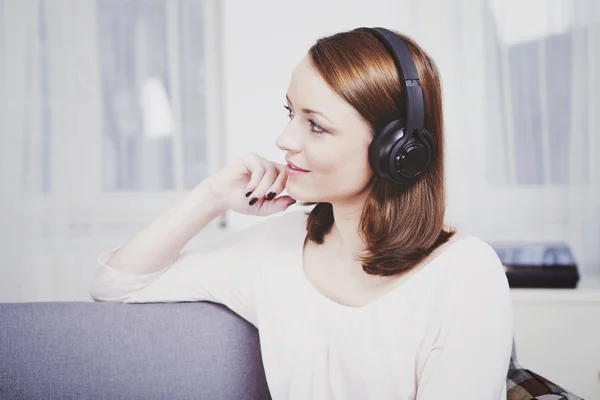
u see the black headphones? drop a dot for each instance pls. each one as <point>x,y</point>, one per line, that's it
<point>403,150</point>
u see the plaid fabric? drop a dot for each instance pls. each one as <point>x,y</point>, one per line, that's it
<point>522,384</point>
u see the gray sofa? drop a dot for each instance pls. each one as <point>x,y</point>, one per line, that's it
<point>187,350</point>
<point>83,350</point>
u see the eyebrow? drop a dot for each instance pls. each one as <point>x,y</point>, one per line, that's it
<point>309,111</point>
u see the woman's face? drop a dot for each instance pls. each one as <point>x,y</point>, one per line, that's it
<point>325,136</point>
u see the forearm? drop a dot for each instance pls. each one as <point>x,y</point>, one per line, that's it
<point>159,243</point>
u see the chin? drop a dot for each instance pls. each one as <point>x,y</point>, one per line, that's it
<point>304,195</point>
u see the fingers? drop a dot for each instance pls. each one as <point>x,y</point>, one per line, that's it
<point>267,180</point>
<point>279,184</point>
<point>256,167</point>
<point>261,191</point>
<point>277,205</point>
<point>268,174</point>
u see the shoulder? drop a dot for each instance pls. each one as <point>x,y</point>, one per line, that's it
<point>473,304</point>
<point>470,284</point>
<point>473,252</point>
<point>474,264</point>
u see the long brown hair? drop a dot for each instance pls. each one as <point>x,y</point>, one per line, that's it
<point>400,225</point>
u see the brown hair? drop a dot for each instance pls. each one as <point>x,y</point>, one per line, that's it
<point>400,225</point>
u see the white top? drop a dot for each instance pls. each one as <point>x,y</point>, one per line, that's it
<point>444,333</point>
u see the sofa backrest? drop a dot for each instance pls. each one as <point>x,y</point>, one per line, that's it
<point>88,350</point>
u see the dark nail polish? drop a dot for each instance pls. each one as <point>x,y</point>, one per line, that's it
<point>271,195</point>
<point>253,200</point>
<point>249,193</point>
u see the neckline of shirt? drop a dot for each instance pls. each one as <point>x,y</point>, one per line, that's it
<point>403,287</point>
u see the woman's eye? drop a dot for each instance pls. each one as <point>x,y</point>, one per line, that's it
<point>315,127</point>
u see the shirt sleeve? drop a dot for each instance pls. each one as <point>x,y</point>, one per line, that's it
<point>471,355</point>
<point>224,274</point>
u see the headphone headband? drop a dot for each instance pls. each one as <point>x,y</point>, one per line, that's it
<point>402,151</point>
<point>407,72</point>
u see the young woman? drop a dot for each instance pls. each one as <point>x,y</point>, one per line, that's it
<point>369,295</point>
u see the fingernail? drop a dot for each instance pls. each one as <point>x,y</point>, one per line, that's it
<point>253,200</point>
<point>289,204</point>
<point>271,195</point>
<point>249,193</point>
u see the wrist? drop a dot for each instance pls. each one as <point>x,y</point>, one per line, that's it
<point>207,200</point>
<point>206,194</point>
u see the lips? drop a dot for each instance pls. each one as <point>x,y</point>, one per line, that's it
<point>295,167</point>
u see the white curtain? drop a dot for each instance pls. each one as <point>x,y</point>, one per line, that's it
<point>106,105</point>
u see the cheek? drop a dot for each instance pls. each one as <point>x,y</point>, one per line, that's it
<point>346,169</point>
<point>338,169</point>
<point>356,174</point>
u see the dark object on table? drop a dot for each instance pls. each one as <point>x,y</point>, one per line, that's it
<point>538,265</point>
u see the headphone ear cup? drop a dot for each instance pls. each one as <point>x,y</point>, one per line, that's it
<point>391,143</point>
<point>412,158</point>
<point>381,147</point>
<point>428,138</point>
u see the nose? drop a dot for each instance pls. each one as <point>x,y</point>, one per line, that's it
<point>290,139</point>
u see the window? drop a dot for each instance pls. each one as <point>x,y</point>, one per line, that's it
<point>114,110</point>
<point>539,85</point>
<point>109,113</point>
<point>152,78</point>
<point>122,100</point>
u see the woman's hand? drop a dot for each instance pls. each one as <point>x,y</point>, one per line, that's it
<point>249,185</point>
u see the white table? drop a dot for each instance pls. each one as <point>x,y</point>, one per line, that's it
<point>557,333</point>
